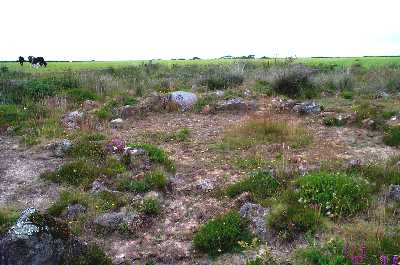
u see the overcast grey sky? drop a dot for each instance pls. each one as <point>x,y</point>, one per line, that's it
<point>127,30</point>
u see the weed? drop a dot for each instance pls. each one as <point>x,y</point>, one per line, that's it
<point>88,146</point>
<point>222,234</point>
<point>263,87</point>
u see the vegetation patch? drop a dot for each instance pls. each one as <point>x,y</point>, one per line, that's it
<point>74,173</point>
<point>260,184</point>
<point>156,155</point>
<point>88,146</point>
<point>151,181</point>
<point>332,121</point>
<point>223,234</point>
<point>328,254</point>
<point>67,198</point>
<point>151,206</point>
<point>265,131</point>
<point>392,136</point>
<point>93,256</point>
<point>335,194</point>
<point>79,94</point>
<point>7,219</point>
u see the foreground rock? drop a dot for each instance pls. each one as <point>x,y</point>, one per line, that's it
<point>256,214</point>
<point>38,240</point>
<point>182,99</point>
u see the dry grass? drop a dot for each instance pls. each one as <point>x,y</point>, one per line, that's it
<point>267,130</point>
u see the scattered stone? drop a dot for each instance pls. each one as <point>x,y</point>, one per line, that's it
<point>73,211</point>
<point>236,104</point>
<point>256,214</point>
<point>354,163</point>
<point>110,221</point>
<point>394,192</point>
<point>117,123</point>
<point>98,187</point>
<point>60,148</point>
<point>307,108</point>
<point>72,119</point>
<point>205,185</point>
<point>45,244</point>
<point>89,105</point>
<point>184,100</point>
<point>368,124</point>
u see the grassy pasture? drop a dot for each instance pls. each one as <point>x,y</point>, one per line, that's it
<point>93,65</point>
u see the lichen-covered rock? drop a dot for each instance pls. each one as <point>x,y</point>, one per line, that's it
<point>394,192</point>
<point>205,185</point>
<point>72,119</point>
<point>307,108</point>
<point>38,239</point>
<point>73,211</point>
<point>184,100</point>
<point>60,148</point>
<point>256,214</point>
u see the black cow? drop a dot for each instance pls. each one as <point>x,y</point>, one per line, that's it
<point>37,61</point>
<point>30,59</point>
<point>21,60</point>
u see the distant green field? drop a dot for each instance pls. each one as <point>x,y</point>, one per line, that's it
<point>91,65</point>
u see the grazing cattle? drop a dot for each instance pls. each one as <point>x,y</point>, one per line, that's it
<point>21,60</point>
<point>37,61</point>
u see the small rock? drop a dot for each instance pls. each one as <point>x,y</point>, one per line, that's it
<point>308,108</point>
<point>98,187</point>
<point>354,163</point>
<point>89,105</point>
<point>368,124</point>
<point>72,119</point>
<point>236,104</point>
<point>117,123</point>
<point>205,185</point>
<point>73,211</point>
<point>110,221</point>
<point>60,148</point>
<point>394,192</point>
<point>256,214</point>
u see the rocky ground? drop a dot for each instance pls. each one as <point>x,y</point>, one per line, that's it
<point>201,171</point>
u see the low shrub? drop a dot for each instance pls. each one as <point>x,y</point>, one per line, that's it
<point>156,155</point>
<point>74,173</point>
<point>263,87</point>
<point>107,201</point>
<point>151,181</point>
<point>289,220</point>
<point>88,146</point>
<point>204,101</point>
<point>92,256</point>
<point>67,198</point>
<point>392,136</point>
<point>223,81</point>
<point>332,121</point>
<point>151,206</point>
<point>80,94</point>
<point>328,254</point>
<point>336,194</point>
<point>260,184</point>
<point>346,94</point>
<point>222,234</point>
<point>7,219</point>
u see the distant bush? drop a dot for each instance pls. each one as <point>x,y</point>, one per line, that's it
<point>222,234</point>
<point>337,194</point>
<point>392,136</point>
<point>293,81</point>
<point>223,81</point>
<point>263,87</point>
<point>80,94</point>
<point>289,220</point>
<point>74,173</point>
<point>260,184</point>
<point>151,206</point>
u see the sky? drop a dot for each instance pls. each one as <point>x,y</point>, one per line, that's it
<point>150,29</point>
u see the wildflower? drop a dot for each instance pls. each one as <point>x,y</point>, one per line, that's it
<point>395,260</point>
<point>383,259</point>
